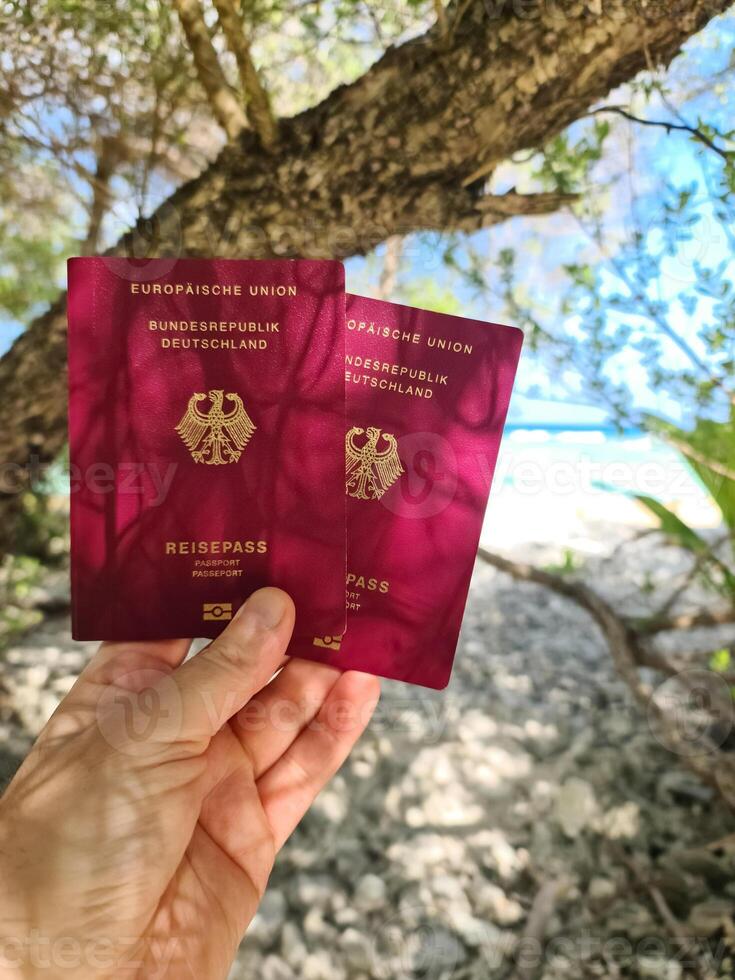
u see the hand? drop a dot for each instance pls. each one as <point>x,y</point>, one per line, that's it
<point>137,838</point>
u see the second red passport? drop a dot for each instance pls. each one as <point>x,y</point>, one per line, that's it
<point>426,397</point>
<point>206,443</point>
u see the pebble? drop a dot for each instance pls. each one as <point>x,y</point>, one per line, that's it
<point>576,806</point>
<point>270,917</point>
<point>621,822</point>
<point>706,918</point>
<point>370,893</point>
<point>293,949</point>
<point>492,902</point>
<point>322,965</point>
<point>601,889</point>
<point>424,856</point>
<point>439,950</point>
<point>357,950</point>
<point>653,968</point>
<point>313,891</point>
<point>274,968</point>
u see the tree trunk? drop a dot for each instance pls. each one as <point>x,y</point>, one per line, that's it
<point>393,153</point>
<point>107,160</point>
<point>391,263</point>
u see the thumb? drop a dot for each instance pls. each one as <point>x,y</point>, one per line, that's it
<point>222,678</point>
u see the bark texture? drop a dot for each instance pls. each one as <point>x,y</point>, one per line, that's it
<point>404,148</point>
<point>391,263</point>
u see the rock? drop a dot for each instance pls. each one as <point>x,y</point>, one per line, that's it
<point>716,872</point>
<point>424,856</point>
<point>35,677</point>
<point>575,808</point>
<point>249,963</point>
<point>439,950</point>
<point>681,890</point>
<point>451,806</point>
<point>498,854</point>
<point>425,851</point>
<point>631,920</point>
<point>270,917</point>
<point>621,822</point>
<point>652,968</point>
<point>347,917</point>
<point>316,928</point>
<point>477,725</point>
<point>475,932</point>
<point>415,817</point>
<point>676,784</point>
<point>321,965</point>
<point>447,886</point>
<point>370,893</point>
<point>313,892</point>
<point>493,903</point>
<point>706,918</point>
<point>601,889</point>
<point>332,804</point>
<point>293,949</point>
<point>274,968</point>
<point>357,950</point>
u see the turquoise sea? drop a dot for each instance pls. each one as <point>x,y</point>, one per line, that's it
<point>594,461</point>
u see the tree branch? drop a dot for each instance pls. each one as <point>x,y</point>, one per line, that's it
<point>386,155</point>
<point>441,18</point>
<point>676,664</point>
<point>667,125</point>
<point>685,621</point>
<point>615,630</point>
<point>107,159</point>
<point>691,453</point>
<point>391,262</point>
<point>225,106</point>
<point>257,104</point>
<point>711,765</point>
<point>512,204</point>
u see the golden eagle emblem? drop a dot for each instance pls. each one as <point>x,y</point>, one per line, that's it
<point>217,436</point>
<point>370,470</point>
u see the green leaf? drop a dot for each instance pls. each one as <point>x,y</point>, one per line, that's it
<point>709,449</point>
<point>720,660</point>
<point>688,538</point>
<point>673,525</point>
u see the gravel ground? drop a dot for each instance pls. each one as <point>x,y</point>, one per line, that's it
<point>523,824</point>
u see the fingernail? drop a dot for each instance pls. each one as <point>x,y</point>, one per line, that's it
<point>267,605</point>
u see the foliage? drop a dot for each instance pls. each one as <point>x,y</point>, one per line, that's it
<point>709,448</point>
<point>37,236</point>
<point>568,566</point>
<point>645,317</point>
<point>18,577</point>
<point>101,112</point>
<point>42,530</point>
<point>91,88</point>
<point>720,660</point>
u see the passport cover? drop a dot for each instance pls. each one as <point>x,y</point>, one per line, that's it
<point>206,428</point>
<point>426,400</point>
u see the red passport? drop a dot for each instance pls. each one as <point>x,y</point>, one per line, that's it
<point>426,400</point>
<point>206,428</point>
